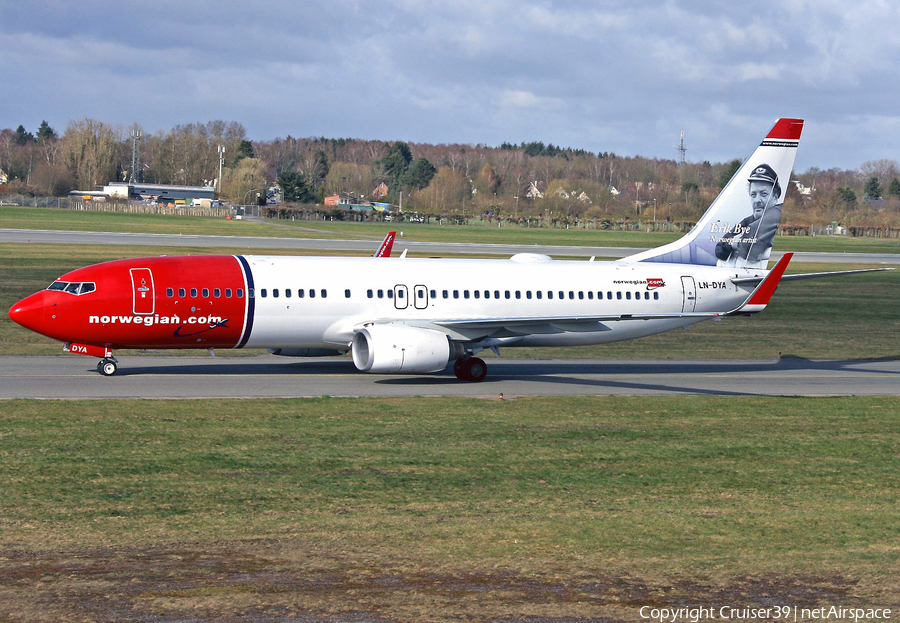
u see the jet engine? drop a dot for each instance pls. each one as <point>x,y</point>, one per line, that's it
<point>388,348</point>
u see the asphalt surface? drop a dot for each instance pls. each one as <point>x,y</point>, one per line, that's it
<point>267,376</point>
<point>425,248</point>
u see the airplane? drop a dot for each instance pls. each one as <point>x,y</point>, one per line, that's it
<point>417,315</point>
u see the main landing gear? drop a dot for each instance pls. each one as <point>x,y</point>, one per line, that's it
<point>107,366</point>
<point>470,369</point>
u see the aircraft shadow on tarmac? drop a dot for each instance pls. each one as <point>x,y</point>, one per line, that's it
<point>651,376</point>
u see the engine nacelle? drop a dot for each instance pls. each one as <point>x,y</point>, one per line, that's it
<point>388,348</point>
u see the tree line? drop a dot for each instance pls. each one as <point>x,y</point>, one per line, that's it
<point>520,182</point>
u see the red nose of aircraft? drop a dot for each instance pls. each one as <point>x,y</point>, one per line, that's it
<point>33,312</point>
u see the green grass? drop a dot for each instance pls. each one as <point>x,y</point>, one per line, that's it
<point>615,500</point>
<point>49,218</point>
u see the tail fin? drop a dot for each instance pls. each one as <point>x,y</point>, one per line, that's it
<point>739,227</point>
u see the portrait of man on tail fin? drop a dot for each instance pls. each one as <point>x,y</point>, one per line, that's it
<point>749,243</point>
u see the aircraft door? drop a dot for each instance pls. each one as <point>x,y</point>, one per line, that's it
<point>420,300</point>
<point>401,297</point>
<point>142,295</point>
<point>690,294</point>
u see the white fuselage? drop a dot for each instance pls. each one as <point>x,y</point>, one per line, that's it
<point>320,302</point>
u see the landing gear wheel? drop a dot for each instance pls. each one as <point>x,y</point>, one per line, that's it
<point>471,369</point>
<point>107,367</point>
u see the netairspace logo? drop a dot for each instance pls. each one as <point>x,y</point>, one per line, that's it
<point>776,613</point>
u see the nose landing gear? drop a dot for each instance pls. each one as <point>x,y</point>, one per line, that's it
<point>107,366</point>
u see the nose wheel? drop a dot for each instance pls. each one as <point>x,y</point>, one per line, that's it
<point>108,366</point>
<point>470,369</point>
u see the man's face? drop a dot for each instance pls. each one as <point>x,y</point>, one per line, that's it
<point>760,193</point>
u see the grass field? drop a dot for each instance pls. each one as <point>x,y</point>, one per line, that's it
<point>402,510</point>
<point>562,510</point>
<point>69,220</point>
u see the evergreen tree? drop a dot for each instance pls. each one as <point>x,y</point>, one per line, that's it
<point>294,187</point>
<point>419,174</point>
<point>873,188</point>
<point>894,188</point>
<point>23,137</point>
<point>46,133</point>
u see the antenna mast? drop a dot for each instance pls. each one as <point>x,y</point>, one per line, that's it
<point>136,135</point>
<point>681,149</point>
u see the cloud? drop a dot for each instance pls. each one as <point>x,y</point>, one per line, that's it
<point>604,76</point>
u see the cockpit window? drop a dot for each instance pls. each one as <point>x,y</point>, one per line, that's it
<point>73,287</point>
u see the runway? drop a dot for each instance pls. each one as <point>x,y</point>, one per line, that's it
<point>369,246</point>
<point>267,376</point>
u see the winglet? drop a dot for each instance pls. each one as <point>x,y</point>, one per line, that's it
<point>761,296</point>
<point>386,245</point>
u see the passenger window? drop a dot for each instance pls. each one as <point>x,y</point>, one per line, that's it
<point>580,295</point>
<point>465,294</point>
<point>228,293</point>
<point>518,294</point>
<point>571,295</point>
<point>539,294</point>
<point>527,294</point>
<point>477,294</point>
<point>181,293</point>
<point>194,293</point>
<point>275,293</point>
<point>445,294</point>
<point>628,296</point>
<point>618,296</point>
<point>346,294</point>
<point>609,295</point>
<point>562,294</point>
<point>312,293</point>
<point>287,293</point>
<point>263,293</point>
<point>497,294</point>
<point>646,296</point>
<point>300,293</point>
<point>369,294</point>
<point>251,293</point>
<point>206,293</point>
<point>506,294</point>
<point>390,294</point>
<point>170,292</point>
<point>400,294</point>
<point>456,294</point>
<point>381,294</point>
<point>434,294</point>
<point>549,294</point>
<point>590,296</point>
<point>656,296</point>
<point>217,292</point>
<point>323,293</point>
<point>240,293</point>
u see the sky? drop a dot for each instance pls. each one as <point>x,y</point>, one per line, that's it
<point>601,75</point>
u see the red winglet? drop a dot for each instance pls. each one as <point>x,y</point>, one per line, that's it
<point>387,244</point>
<point>786,130</point>
<point>764,291</point>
